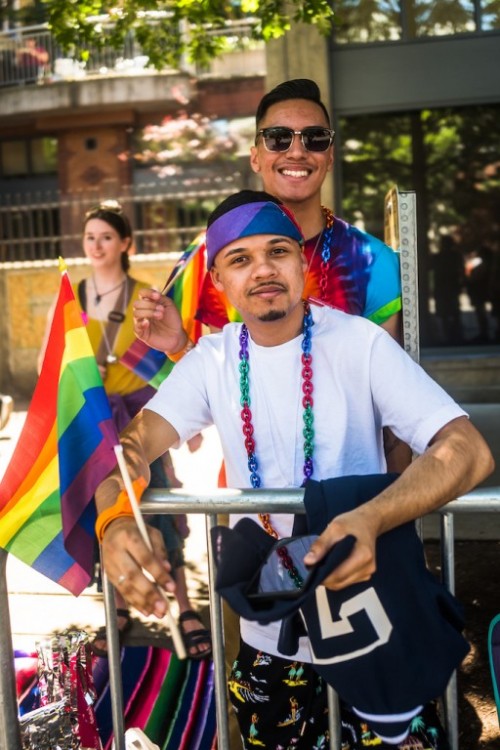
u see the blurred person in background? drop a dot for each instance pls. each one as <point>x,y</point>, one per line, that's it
<point>107,298</point>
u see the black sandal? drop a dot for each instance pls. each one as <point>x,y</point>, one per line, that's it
<point>195,638</point>
<point>100,634</point>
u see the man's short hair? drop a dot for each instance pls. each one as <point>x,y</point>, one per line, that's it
<point>298,88</point>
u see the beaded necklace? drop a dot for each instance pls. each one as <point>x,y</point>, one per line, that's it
<point>308,431</point>
<point>326,251</point>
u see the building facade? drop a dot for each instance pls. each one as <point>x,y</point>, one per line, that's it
<point>415,95</point>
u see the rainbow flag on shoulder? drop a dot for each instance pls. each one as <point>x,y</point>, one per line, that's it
<point>184,285</point>
<point>65,450</point>
<point>149,364</point>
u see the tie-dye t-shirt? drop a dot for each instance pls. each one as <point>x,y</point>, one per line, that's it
<point>363,278</point>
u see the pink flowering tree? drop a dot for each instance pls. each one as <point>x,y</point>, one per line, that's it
<point>184,139</point>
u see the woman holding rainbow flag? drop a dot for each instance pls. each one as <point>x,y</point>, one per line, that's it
<point>106,299</point>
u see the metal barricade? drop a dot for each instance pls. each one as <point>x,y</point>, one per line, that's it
<point>484,500</point>
<point>291,501</point>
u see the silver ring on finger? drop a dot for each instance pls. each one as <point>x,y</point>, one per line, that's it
<point>121,579</point>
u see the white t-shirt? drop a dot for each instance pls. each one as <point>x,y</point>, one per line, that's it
<point>362,382</point>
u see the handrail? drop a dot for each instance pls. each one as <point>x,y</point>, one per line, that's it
<point>223,500</point>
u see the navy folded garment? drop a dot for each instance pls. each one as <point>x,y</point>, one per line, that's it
<point>241,552</point>
<point>388,645</point>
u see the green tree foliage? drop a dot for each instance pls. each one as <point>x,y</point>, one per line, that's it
<point>169,30</point>
<point>460,171</point>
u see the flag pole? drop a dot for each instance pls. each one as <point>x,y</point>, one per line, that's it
<point>178,270</point>
<point>174,628</point>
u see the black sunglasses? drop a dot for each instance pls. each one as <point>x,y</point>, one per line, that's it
<point>279,139</point>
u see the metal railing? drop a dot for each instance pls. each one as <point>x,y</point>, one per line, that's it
<point>44,225</point>
<point>31,55</point>
<point>485,500</point>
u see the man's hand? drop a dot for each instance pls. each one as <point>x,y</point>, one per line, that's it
<point>126,558</point>
<point>361,563</point>
<point>456,460</point>
<point>157,322</point>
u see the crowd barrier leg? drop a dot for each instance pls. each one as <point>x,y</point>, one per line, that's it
<point>447,526</point>
<point>115,673</point>
<point>10,735</point>
<point>334,722</point>
<point>216,621</point>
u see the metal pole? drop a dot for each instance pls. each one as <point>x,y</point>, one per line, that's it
<point>221,704</point>
<point>334,721</point>
<point>448,565</point>
<point>115,677</point>
<point>10,735</point>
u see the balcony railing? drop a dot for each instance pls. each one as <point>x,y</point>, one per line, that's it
<point>31,55</point>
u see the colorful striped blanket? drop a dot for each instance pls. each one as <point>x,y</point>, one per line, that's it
<point>172,701</point>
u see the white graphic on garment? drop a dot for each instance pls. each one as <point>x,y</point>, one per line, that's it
<point>367,602</point>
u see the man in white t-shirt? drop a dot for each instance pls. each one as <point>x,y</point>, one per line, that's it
<point>295,391</point>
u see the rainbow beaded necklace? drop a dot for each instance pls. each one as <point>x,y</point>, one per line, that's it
<point>326,250</point>
<point>308,419</point>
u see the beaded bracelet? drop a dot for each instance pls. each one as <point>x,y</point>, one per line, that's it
<point>120,509</point>
<point>179,355</point>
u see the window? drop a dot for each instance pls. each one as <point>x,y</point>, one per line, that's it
<point>14,158</point>
<point>442,17</point>
<point>490,15</point>
<point>22,158</point>
<point>43,155</point>
<point>450,157</point>
<point>359,21</point>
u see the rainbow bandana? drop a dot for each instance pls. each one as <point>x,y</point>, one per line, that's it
<point>261,217</point>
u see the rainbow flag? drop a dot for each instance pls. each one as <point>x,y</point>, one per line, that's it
<point>149,364</point>
<point>64,451</point>
<point>184,285</point>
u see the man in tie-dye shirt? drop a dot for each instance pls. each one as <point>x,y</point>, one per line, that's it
<point>347,268</point>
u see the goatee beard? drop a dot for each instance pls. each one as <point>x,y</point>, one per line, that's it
<point>272,315</point>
